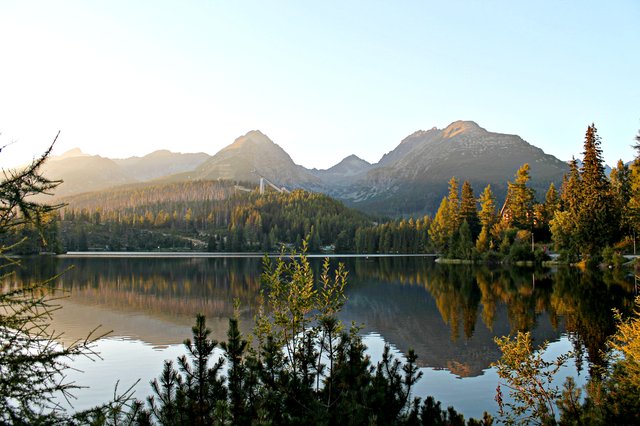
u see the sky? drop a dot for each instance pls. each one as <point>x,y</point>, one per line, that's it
<point>323,79</point>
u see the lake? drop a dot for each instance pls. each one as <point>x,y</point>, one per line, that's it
<point>449,314</point>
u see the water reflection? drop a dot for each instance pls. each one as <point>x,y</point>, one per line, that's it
<point>448,313</point>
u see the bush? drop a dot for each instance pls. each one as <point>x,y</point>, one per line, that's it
<point>612,395</point>
<point>612,257</point>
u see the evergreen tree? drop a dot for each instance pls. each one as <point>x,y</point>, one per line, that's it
<point>438,230</point>
<point>453,204</point>
<point>487,215</point>
<point>462,243</point>
<point>239,381</point>
<point>563,225</point>
<point>551,203</point>
<point>518,211</point>
<point>571,188</point>
<point>483,243</point>
<point>621,186</point>
<point>83,241</point>
<point>597,219</point>
<point>469,210</point>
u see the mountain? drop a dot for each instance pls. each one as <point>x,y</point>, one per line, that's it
<point>406,146</point>
<point>161,163</point>
<point>607,168</point>
<point>409,180</point>
<point>412,179</point>
<point>346,171</point>
<point>250,157</point>
<point>82,172</point>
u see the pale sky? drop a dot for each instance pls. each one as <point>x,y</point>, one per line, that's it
<point>323,79</point>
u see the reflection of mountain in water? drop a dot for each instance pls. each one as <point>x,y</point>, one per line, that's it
<point>154,300</point>
<point>448,314</point>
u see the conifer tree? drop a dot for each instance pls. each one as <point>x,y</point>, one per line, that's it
<point>446,223</point>
<point>487,217</point>
<point>620,180</point>
<point>468,210</point>
<point>453,213</point>
<point>597,220</point>
<point>438,229</point>
<point>563,224</point>
<point>487,213</point>
<point>519,202</point>
<point>571,186</point>
<point>551,202</point>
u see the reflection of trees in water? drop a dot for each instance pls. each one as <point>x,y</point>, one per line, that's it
<point>586,300</point>
<point>582,299</point>
<point>166,287</point>
<point>457,296</point>
<point>448,313</point>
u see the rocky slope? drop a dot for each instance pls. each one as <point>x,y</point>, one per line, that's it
<point>252,156</point>
<point>412,179</point>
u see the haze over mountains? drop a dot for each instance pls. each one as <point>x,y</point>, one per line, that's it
<point>85,173</point>
<point>409,180</point>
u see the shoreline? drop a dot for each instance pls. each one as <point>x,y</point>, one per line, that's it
<point>257,255</point>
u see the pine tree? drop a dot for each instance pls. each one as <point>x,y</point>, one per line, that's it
<point>238,385</point>
<point>453,213</point>
<point>487,213</point>
<point>597,220</point>
<point>571,188</point>
<point>468,210</point>
<point>620,180</point>
<point>551,202</point>
<point>483,243</point>
<point>518,212</point>
<point>438,229</point>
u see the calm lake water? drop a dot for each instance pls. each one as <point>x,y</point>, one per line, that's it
<point>449,314</point>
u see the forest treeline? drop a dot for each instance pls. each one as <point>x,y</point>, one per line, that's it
<point>590,213</point>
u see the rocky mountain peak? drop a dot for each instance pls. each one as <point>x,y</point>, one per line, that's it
<point>353,159</point>
<point>159,153</point>
<point>75,152</point>
<point>254,137</point>
<point>459,127</point>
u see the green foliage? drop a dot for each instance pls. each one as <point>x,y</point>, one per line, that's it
<point>195,393</point>
<point>206,215</point>
<point>530,380</point>
<point>612,395</point>
<point>461,245</point>
<point>469,210</point>
<point>518,211</point>
<point>487,214</point>
<point>623,387</point>
<point>612,257</point>
<point>591,216</point>
<point>394,236</point>
<point>438,231</point>
<point>303,367</point>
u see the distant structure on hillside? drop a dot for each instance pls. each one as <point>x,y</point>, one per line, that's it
<point>271,184</point>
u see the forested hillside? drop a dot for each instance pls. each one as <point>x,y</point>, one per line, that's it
<point>205,215</point>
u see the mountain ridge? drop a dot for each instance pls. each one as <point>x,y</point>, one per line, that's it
<point>408,180</point>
